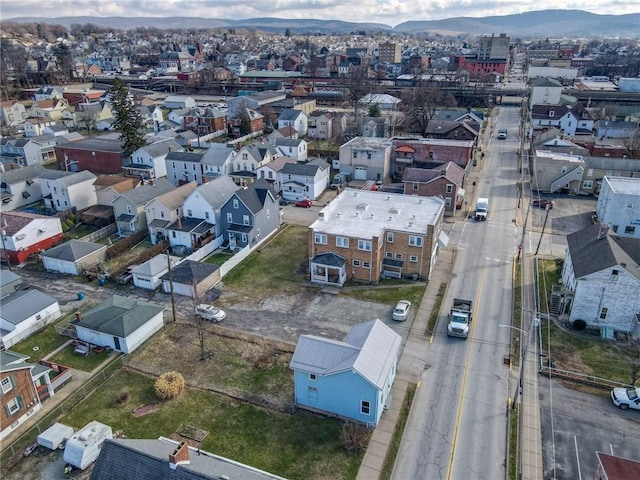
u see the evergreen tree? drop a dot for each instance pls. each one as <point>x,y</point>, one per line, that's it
<point>245,125</point>
<point>127,120</point>
<point>374,110</point>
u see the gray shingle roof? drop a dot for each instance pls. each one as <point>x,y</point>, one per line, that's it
<point>175,198</point>
<point>119,316</point>
<point>369,349</point>
<point>217,155</point>
<point>254,196</point>
<point>145,193</point>
<point>131,459</point>
<point>163,147</point>
<point>289,115</point>
<point>32,171</point>
<point>185,157</point>
<point>73,250</point>
<point>12,361</point>
<point>189,270</point>
<point>218,191</point>
<point>590,254</point>
<point>78,177</point>
<point>300,169</point>
<point>24,304</point>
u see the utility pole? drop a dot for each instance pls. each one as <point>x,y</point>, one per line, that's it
<point>173,300</point>
<point>4,248</point>
<point>546,217</point>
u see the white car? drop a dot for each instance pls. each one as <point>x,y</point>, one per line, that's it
<point>626,397</point>
<point>401,312</point>
<point>209,312</point>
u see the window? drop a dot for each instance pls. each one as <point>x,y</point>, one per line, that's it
<point>189,213</point>
<point>614,228</point>
<point>398,256</point>
<point>364,245</point>
<point>14,405</point>
<point>416,186</point>
<point>356,263</point>
<point>590,172</point>
<point>413,259</point>
<point>564,170</point>
<point>313,393</point>
<point>603,313</point>
<point>389,237</point>
<point>366,265</point>
<point>365,407</point>
<point>312,377</point>
<point>342,242</point>
<point>587,184</point>
<point>320,238</point>
<point>614,275</point>
<point>7,385</point>
<point>244,238</point>
<point>245,219</point>
<point>629,230</point>
<point>206,215</point>
<point>389,255</point>
<point>449,187</point>
<point>415,241</point>
<point>229,218</point>
<point>235,203</point>
<point>173,233</point>
<point>447,201</point>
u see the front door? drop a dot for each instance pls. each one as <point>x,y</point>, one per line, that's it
<point>116,343</point>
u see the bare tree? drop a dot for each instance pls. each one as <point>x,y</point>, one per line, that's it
<point>421,105</point>
<point>200,321</point>
<point>632,145</point>
<point>355,86</point>
<point>630,352</point>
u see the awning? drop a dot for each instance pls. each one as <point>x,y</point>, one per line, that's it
<point>460,193</point>
<point>443,240</point>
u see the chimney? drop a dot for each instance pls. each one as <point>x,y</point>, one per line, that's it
<point>179,456</point>
<point>179,223</point>
<point>79,316</point>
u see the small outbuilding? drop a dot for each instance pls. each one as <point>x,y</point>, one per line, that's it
<point>73,257</point>
<point>119,323</point>
<point>191,279</point>
<point>55,436</point>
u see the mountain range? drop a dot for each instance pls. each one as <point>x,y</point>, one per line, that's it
<point>538,24</point>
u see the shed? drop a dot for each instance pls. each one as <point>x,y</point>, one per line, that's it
<point>83,448</point>
<point>119,323</point>
<point>55,436</point>
<point>73,256</point>
<point>190,273</point>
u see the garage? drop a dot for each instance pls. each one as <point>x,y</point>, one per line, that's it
<point>360,173</point>
<point>73,257</point>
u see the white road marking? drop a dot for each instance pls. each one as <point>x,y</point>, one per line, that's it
<point>575,441</point>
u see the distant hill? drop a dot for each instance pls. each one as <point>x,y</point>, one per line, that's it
<point>540,24</point>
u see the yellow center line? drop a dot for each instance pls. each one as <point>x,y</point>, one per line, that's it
<point>464,381</point>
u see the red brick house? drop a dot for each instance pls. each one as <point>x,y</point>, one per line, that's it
<point>445,181</point>
<point>203,121</point>
<point>24,234</point>
<point>98,155</point>
<point>479,68</point>
<point>256,122</point>
<point>428,153</point>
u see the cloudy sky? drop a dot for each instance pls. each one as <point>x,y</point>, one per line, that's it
<point>390,12</point>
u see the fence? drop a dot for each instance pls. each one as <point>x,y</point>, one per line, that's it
<point>11,454</point>
<point>205,250</point>
<point>98,234</point>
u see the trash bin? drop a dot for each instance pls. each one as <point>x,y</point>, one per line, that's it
<point>80,295</point>
<point>102,281</point>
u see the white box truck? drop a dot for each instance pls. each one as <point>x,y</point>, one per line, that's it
<point>482,208</point>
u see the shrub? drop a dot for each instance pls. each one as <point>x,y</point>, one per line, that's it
<point>122,397</point>
<point>169,385</point>
<point>354,438</point>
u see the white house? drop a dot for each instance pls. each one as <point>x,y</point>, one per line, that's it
<point>206,201</point>
<point>183,167</point>
<point>320,125</point>
<point>217,161</point>
<point>23,312</point>
<point>177,116</point>
<point>545,91</point>
<point>189,233</point>
<point>25,234</point>
<point>249,159</point>
<point>23,186</point>
<point>296,119</point>
<point>618,205</point>
<point>148,162</point>
<point>366,158</point>
<point>179,101</point>
<point>119,323</point>
<point>304,180</point>
<point>601,280</point>
<point>271,172</point>
<point>75,190</point>
<point>165,209</point>
<point>570,120</point>
<point>293,148</point>
<point>382,100</point>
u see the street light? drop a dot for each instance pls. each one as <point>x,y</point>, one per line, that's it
<point>534,323</point>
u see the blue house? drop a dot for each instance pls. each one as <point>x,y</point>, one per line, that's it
<point>350,378</point>
<point>250,215</point>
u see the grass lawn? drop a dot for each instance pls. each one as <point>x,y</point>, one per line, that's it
<point>79,233</point>
<point>299,446</point>
<point>218,258</point>
<point>74,360</point>
<point>549,273</point>
<point>46,341</point>
<point>277,267</point>
<point>389,295</point>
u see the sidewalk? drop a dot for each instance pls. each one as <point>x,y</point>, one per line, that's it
<point>410,366</point>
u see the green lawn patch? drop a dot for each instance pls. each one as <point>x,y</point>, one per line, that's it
<point>75,360</point>
<point>514,451</point>
<point>298,446</point>
<point>394,446</point>
<point>219,258</point>
<point>44,342</point>
<point>433,318</point>
<point>388,295</point>
<point>516,317</point>
<point>280,266</point>
<point>549,274</point>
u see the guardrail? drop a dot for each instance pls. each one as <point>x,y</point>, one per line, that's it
<point>583,378</point>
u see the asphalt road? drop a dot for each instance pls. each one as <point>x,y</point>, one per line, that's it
<point>457,426</point>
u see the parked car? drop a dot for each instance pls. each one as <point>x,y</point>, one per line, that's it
<point>284,201</point>
<point>209,312</point>
<point>626,397</point>
<point>502,133</point>
<point>401,312</point>
<point>306,203</point>
<point>543,203</point>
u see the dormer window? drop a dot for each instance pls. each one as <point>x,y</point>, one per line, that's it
<point>552,113</point>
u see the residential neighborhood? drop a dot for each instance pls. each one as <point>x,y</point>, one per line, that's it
<point>206,237</point>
